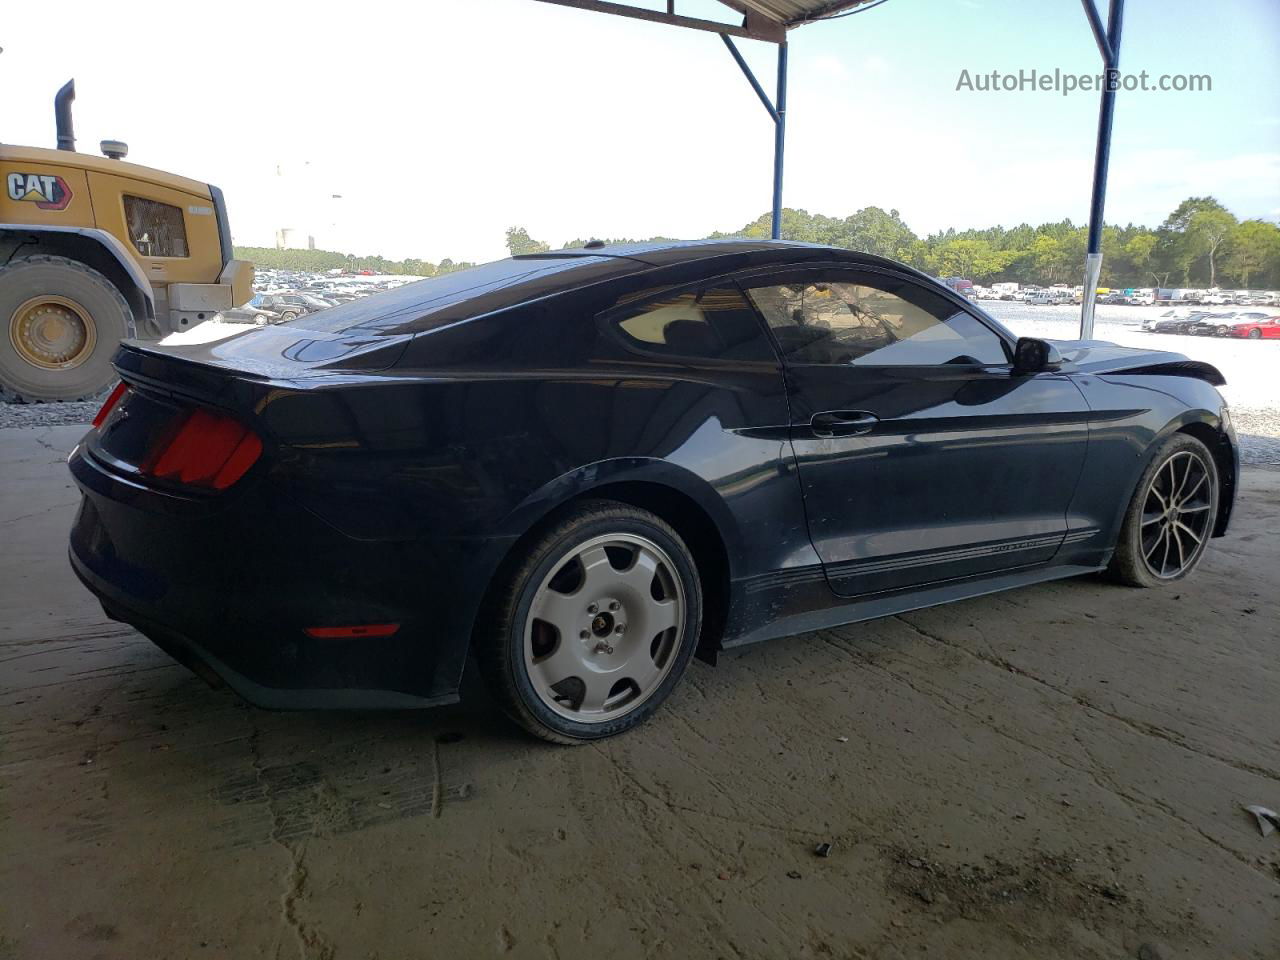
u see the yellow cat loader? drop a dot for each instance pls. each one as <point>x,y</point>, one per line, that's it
<point>94,250</point>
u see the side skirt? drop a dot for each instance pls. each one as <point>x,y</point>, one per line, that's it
<point>887,605</point>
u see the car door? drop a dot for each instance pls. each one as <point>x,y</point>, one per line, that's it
<point>922,457</point>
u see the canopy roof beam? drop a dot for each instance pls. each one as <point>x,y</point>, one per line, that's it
<point>755,26</point>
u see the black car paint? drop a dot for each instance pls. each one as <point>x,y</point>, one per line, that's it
<point>411,440</point>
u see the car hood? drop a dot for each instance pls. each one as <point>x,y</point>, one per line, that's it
<point>1099,357</point>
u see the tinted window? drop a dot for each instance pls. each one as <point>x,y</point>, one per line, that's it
<point>426,304</point>
<point>156,229</point>
<point>716,323</point>
<point>873,321</point>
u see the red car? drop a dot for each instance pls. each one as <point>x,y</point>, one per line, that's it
<point>1256,328</point>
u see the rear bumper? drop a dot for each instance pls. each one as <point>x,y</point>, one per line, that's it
<point>216,672</point>
<point>229,587</point>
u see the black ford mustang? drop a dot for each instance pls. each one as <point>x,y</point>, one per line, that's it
<point>588,466</point>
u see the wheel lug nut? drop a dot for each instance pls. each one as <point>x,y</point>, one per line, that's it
<point>614,605</point>
<point>585,634</point>
<point>592,609</point>
<point>619,629</point>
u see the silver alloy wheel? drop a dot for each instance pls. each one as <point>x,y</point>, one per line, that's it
<point>604,627</point>
<point>1176,515</point>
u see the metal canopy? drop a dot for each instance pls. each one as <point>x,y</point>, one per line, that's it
<point>769,20</point>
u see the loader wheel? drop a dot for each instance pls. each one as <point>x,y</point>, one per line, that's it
<point>60,324</point>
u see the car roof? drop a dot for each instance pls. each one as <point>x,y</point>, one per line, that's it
<point>489,288</point>
<point>661,253</point>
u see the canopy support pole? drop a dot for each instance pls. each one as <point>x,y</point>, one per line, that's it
<point>777,110</point>
<point>779,140</point>
<point>1109,47</point>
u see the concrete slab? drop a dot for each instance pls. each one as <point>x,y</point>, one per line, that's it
<point>1051,773</point>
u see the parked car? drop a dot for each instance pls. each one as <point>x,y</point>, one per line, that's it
<point>1217,299</point>
<point>1142,299</point>
<point>1148,323</point>
<point>1267,328</point>
<point>1115,296</point>
<point>1211,325</point>
<point>249,313</point>
<point>587,466</point>
<point>1178,323</point>
<point>292,305</point>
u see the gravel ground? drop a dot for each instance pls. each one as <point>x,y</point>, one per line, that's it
<point>1259,433</point>
<point>47,414</point>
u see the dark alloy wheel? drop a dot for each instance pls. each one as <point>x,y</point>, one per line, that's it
<point>1171,517</point>
<point>1255,334</point>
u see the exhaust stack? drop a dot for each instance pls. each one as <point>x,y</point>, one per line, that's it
<point>62,115</point>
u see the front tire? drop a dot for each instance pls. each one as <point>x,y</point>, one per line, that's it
<point>60,324</point>
<point>1171,517</point>
<point>1255,334</point>
<point>593,625</point>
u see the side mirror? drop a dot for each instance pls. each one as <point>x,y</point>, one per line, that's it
<point>1030,356</point>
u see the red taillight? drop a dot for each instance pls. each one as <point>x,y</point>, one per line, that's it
<point>112,399</point>
<point>357,630</point>
<point>209,449</point>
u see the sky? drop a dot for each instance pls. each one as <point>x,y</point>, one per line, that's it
<point>439,123</point>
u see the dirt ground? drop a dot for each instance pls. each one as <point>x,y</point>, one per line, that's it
<point>1057,772</point>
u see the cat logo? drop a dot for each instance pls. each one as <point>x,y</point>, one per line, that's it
<point>45,191</point>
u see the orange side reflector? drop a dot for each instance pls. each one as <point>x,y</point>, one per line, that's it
<point>358,630</point>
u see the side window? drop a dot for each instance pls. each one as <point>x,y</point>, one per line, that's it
<point>156,228</point>
<point>716,323</point>
<point>872,320</point>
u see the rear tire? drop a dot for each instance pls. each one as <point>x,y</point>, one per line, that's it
<point>60,324</point>
<point>590,629</point>
<point>1171,517</point>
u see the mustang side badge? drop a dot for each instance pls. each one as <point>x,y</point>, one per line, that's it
<point>45,191</point>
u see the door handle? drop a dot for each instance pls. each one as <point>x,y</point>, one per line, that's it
<point>842,423</point>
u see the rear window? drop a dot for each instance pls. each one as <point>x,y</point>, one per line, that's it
<point>432,303</point>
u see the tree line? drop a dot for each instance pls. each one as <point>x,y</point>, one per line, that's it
<point>1200,244</point>
<point>321,261</point>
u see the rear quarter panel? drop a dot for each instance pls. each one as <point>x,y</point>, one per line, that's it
<point>484,428</point>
